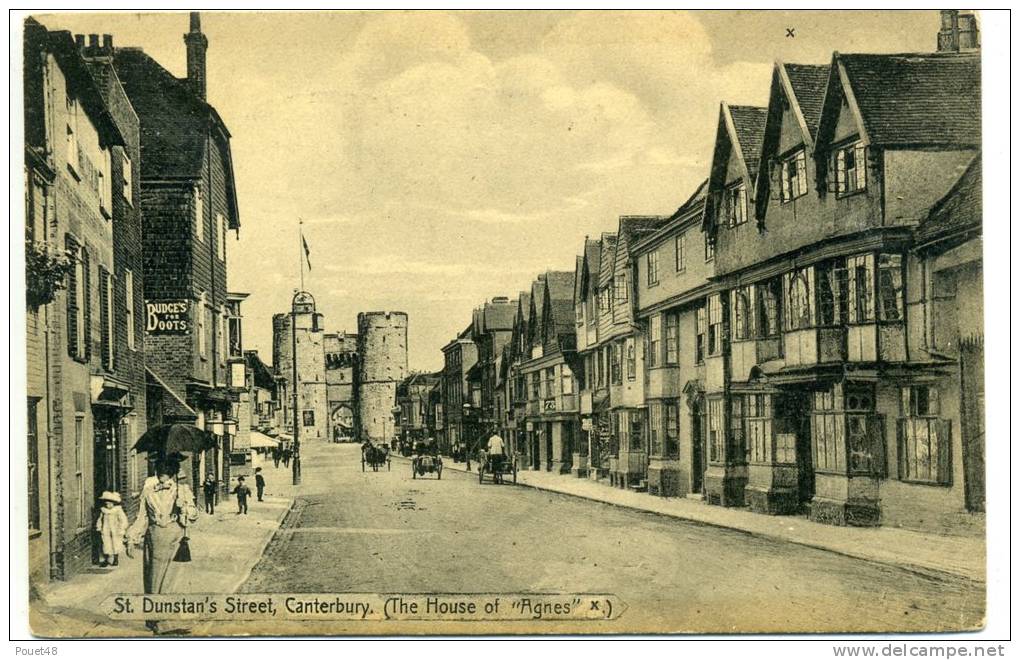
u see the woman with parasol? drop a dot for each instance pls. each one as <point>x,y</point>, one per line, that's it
<point>166,508</point>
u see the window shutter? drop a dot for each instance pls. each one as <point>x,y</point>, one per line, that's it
<point>862,166</point>
<point>801,174</point>
<point>72,300</point>
<point>841,171</point>
<point>87,303</point>
<point>104,338</point>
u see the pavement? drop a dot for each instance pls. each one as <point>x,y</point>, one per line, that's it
<point>926,553</point>
<point>384,532</point>
<point>224,549</point>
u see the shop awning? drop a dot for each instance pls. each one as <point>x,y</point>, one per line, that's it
<point>257,440</point>
<point>174,406</point>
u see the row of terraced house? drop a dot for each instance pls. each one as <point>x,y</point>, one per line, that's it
<point>802,336</point>
<point>129,203</point>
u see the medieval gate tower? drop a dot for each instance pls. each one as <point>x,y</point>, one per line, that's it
<point>382,349</point>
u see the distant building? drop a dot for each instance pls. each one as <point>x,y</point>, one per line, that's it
<point>341,351</point>
<point>299,352</point>
<point>413,400</point>
<point>382,364</point>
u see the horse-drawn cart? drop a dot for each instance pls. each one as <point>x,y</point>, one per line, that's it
<point>374,457</point>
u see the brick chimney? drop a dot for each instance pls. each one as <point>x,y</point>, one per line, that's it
<point>958,32</point>
<point>196,44</point>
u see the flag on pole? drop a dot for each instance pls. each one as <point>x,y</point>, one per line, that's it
<point>308,253</point>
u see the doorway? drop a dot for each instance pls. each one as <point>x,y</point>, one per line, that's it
<point>793,415</point>
<point>698,464</point>
<point>548,446</point>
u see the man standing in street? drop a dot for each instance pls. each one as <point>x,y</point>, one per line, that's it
<point>260,483</point>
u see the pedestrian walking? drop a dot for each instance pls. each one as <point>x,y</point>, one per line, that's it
<point>209,491</point>
<point>243,492</point>
<point>111,524</point>
<point>260,483</point>
<point>286,457</point>
<point>166,509</point>
<point>276,456</point>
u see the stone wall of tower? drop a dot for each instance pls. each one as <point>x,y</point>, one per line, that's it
<point>382,352</point>
<point>341,383</point>
<point>308,338</point>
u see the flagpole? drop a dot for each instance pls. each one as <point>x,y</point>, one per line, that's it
<point>301,247</point>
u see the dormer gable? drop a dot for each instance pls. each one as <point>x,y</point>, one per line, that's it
<point>791,123</point>
<point>734,165</point>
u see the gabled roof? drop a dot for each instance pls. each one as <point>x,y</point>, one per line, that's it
<point>590,267</point>
<point>958,212</point>
<point>907,100</point>
<point>607,252</point>
<point>807,84</point>
<point>261,373</point>
<point>749,124</point>
<point>740,129</point>
<point>175,123</point>
<point>633,228</point>
<point>799,89</point>
<point>559,303</point>
<point>690,208</point>
<point>79,80</point>
<point>499,315</point>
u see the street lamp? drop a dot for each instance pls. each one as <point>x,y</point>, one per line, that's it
<point>468,441</point>
<point>296,452</point>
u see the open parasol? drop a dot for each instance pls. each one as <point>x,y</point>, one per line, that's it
<point>169,439</point>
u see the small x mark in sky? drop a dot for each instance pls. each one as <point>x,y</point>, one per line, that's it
<point>790,33</point>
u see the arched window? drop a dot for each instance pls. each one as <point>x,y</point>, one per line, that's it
<point>799,296</point>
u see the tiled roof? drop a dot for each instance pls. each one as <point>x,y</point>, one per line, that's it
<point>917,99</point>
<point>537,295</point>
<point>809,82</point>
<point>749,122</point>
<point>560,284</point>
<point>608,250</point>
<point>960,209</point>
<point>175,124</point>
<point>500,315</point>
<point>261,373</point>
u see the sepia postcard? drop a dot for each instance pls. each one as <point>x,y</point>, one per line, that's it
<point>401,323</point>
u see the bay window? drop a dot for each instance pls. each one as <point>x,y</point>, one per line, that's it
<point>799,289</point>
<point>631,359</point>
<point>832,293</point>
<point>550,382</point>
<point>637,430</point>
<point>536,386</point>
<point>566,380</point>
<point>743,313</point>
<point>890,287</point>
<point>757,427</point>
<point>861,304</point>
<point>620,285</point>
<point>769,295</point>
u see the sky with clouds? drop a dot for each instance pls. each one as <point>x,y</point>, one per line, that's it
<point>440,159</point>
